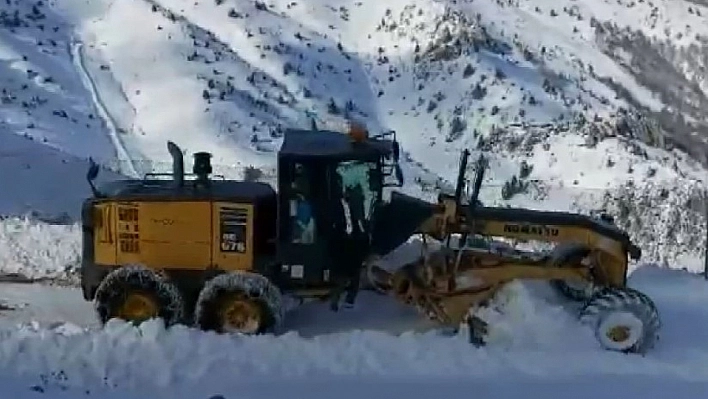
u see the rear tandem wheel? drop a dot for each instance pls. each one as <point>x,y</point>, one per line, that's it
<point>135,294</point>
<point>239,302</point>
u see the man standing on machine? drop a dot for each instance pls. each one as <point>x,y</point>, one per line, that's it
<point>350,242</point>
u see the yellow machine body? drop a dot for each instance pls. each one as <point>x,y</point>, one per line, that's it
<point>174,234</point>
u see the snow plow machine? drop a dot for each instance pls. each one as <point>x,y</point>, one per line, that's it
<point>222,255</point>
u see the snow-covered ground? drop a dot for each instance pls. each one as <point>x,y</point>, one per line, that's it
<point>39,251</point>
<point>387,387</point>
<point>535,343</point>
<point>52,343</point>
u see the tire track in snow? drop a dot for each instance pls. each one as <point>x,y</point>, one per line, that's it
<point>127,164</point>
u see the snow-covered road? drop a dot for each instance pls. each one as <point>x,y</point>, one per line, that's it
<point>385,388</point>
<point>54,305</point>
<point>535,342</point>
<point>511,387</point>
<point>380,348</point>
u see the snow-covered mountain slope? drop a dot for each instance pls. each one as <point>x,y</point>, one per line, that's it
<point>40,181</point>
<point>48,124</point>
<point>579,105</point>
<point>43,97</point>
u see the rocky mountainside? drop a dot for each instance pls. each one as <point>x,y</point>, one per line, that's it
<point>578,104</point>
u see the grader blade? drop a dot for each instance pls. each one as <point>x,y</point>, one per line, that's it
<point>448,286</point>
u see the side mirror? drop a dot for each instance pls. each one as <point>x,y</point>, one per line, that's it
<point>92,171</point>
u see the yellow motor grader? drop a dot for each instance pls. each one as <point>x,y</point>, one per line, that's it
<point>221,254</point>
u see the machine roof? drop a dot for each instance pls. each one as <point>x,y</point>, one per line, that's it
<point>165,190</point>
<point>326,143</point>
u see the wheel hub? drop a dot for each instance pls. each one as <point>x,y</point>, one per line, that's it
<point>137,308</point>
<point>619,333</point>
<point>241,315</point>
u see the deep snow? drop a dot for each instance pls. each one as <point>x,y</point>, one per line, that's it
<point>535,342</point>
<point>387,387</point>
<point>36,250</point>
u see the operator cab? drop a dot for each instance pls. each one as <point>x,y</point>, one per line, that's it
<point>329,185</point>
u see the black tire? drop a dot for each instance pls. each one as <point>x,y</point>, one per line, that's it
<point>618,307</point>
<point>571,254</point>
<point>253,286</point>
<point>571,291</point>
<point>137,279</point>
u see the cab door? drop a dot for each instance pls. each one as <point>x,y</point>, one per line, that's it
<point>303,221</point>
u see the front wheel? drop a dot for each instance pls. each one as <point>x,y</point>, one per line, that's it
<point>624,320</point>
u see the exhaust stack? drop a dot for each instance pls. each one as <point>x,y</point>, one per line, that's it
<point>177,163</point>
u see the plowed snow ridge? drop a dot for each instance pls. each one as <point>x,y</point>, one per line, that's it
<point>534,335</point>
<point>531,337</point>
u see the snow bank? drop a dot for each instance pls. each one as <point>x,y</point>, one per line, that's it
<point>531,337</point>
<point>39,251</point>
<point>373,387</point>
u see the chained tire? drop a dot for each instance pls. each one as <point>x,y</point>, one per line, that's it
<point>239,303</point>
<point>578,291</point>
<point>136,294</point>
<point>624,320</point>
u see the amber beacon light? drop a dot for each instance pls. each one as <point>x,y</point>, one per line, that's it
<point>358,133</point>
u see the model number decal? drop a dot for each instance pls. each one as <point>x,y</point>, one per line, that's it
<point>231,243</point>
<point>233,226</point>
<point>533,229</point>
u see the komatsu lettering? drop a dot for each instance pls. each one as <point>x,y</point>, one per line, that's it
<point>535,229</point>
